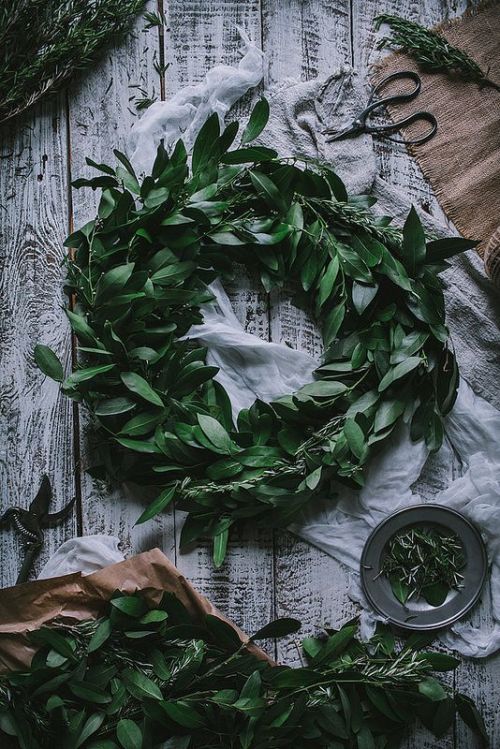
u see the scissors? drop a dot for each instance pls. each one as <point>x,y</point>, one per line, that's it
<point>361,125</point>
<point>30,524</point>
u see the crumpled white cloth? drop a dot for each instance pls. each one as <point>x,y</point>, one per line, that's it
<point>84,554</point>
<point>183,114</point>
<point>253,368</point>
<point>341,528</point>
<point>250,368</point>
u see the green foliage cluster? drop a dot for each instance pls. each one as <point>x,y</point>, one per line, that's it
<point>431,50</point>
<point>145,677</point>
<point>424,562</point>
<point>43,42</point>
<point>139,273</point>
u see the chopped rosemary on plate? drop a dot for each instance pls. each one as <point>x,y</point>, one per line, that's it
<point>424,563</point>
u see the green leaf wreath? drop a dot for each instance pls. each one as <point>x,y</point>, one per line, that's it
<point>138,275</point>
<point>141,676</point>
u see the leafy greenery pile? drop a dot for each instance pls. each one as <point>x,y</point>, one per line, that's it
<point>43,42</point>
<point>139,677</point>
<point>139,273</point>
<point>424,562</point>
<point>431,50</point>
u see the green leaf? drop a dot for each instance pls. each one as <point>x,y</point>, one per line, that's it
<point>48,363</point>
<point>100,636</point>
<point>65,646</point>
<point>387,413</point>
<point>84,375</point>
<point>332,323</point>
<point>143,423</point>
<point>394,270</point>
<point>432,689</point>
<point>91,725</point>
<point>215,433</point>
<point>112,282</point>
<point>114,406</point>
<point>223,633</point>
<point>363,296</point>
<point>254,154</point>
<point>130,605</point>
<point>204,144</point>
<point>220,547</point>
<point>182,713</point>
<point>278,628</point>
<point>435,594</point>
<point>89,693</point>
<point>400,370</point>
<point>266,188</point>
<point>413,242</point>
<point>440,249</point>
<point>324,389</point>
<point>159,504</point>
<point>440,661</point>
<point>129,734</point>
<point>138,385</point>
<point>471,715</point>
<point>327,281</point>
<point>140,686</point>
<point>355,438</point>
<point>400,590</point>
<point>257,122</point>
<point>139,446</point>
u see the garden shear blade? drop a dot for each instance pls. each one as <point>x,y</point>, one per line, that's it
<point>30,524</point>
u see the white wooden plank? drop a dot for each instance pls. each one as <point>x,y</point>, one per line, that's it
<point>35,420</point>
<point>303,40</point>
<point>480,680</point>
<point>200,35</point>
<point>102,110</point>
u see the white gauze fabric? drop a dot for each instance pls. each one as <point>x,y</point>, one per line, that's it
<point>250,367</point>
<point>84,554</point>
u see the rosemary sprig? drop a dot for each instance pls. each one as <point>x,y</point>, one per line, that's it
<point>43,42</point>
<point>431,50</point>
<point>423,562</point>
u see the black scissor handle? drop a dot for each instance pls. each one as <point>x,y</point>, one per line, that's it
<point>393,127</point>
<point>401,75</point>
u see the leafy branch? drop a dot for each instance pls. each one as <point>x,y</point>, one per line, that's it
<point>140,676</point>
<point>431,50</point>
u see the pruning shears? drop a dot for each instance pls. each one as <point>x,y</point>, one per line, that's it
<point>30,524</point>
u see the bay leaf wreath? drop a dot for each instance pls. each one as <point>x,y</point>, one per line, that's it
<point>138,274</point>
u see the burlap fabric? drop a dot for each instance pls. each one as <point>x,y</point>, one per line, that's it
<point>462,162</point>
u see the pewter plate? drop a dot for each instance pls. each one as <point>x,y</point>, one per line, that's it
<point>418,614</point>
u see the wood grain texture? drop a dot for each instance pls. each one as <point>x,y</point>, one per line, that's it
<point>266,573</point>
<point>101,112</point>
<point>198,36</point>
<point>481,680</point>
<point>35,420</point>
<point>303,41</point>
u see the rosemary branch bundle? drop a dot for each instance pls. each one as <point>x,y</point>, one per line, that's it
<point>431,50</point>
<point>43,42</point>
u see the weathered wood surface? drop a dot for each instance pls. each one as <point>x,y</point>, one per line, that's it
<point>266,574</point>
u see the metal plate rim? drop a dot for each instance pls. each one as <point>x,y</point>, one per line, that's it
<point>455,521</point>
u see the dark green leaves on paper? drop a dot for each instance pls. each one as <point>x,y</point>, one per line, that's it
<point>166,676</point>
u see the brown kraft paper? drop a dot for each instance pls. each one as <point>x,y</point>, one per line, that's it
<point>72,598</point>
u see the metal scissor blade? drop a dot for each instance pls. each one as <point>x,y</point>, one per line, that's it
<point>40,505</point>
<point>348,132</point>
